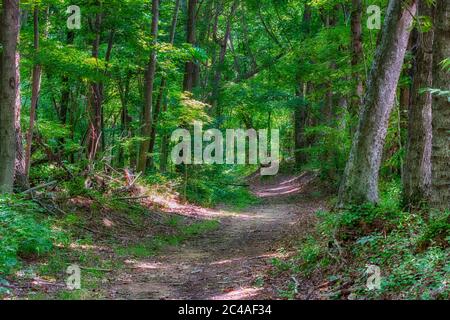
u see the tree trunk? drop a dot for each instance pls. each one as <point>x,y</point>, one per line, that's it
<point>301,111</point>
<point>125,119</point>
<point>95,99</point>
<point>360,180</point>
<point>164,147</point>
<point>357,56</point>
<point>417,168</point>
<point>9,89</point>
<point>190,68</point>
<point>65,90</point>
<point>220,63</point>
<point>148,91</point>
<point>440,159</point>
<point>162,89</point>
<point>36,87</point>
<point>20,176</point>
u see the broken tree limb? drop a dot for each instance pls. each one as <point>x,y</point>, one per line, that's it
<point>42,186</point>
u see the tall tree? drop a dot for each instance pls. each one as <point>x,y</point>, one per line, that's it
<point>301,110</point>
<point>9,89</point>
<point>440,194</point>
<point>191,69</point>
<point>35,90</point>
<point>95,94</point>
<point>360,181</point>
<point>357,55</point>
<point>223,51</point>
<point>162,89</point>
<point>417,168</point>
<point>148,91</point>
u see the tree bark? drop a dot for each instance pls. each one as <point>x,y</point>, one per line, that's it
<point>20,176</point>
<point>190,68</point>
<point>95,100</point>
<point>440,191</point>
<point>148,91</point>
<point>360,180</point>
<point>417,168</point>
<point>9,90</point>
<point>36,88</point>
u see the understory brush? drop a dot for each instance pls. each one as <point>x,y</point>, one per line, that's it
<point>93,220</point>
<point>411,250</point>
<point>214,185</point>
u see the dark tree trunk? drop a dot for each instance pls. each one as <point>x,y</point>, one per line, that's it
<point>95,99</point>
<point>360,180</point>
<point>9,90</point>
<point>440,159</point>
<point>220,62</point>
<point>148,92</point>
<point>191,69</point>
<point>65,91</point>
<point>417,167</point>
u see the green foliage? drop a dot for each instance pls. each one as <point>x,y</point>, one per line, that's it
<point>411,249</point>
<point>213,185</point>
<point>22,232</point>
<point>329,152</point>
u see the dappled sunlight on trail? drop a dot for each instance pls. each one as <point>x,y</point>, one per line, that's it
<point>226,263</point>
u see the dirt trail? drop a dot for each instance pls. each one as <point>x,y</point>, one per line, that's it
<point>225,264</point>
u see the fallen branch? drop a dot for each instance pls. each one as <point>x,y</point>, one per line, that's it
<point>131,198</point>
<point>45,185</point>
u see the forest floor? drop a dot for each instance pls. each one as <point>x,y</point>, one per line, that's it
<point>234,261</point>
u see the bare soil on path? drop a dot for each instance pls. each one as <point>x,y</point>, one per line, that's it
<point>231,262</point>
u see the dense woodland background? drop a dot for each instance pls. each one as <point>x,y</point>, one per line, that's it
<point>86,111</point>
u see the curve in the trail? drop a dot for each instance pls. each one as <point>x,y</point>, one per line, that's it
<point>227,263</point>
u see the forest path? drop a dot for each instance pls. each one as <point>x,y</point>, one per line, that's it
<point>228,263</point>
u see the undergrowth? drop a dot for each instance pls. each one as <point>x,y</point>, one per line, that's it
<point>412,250</point>
<point>93,227</point>
<point>213,185</point>
<point>24,232</point>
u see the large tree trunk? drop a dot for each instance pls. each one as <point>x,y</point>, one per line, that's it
<point>20,176</point>
<point>417,168</point>
<point>9,89</point>
<point>440,194</point>
<point>360,181</point>
<point>190,68</point>
<point>148,92</point>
